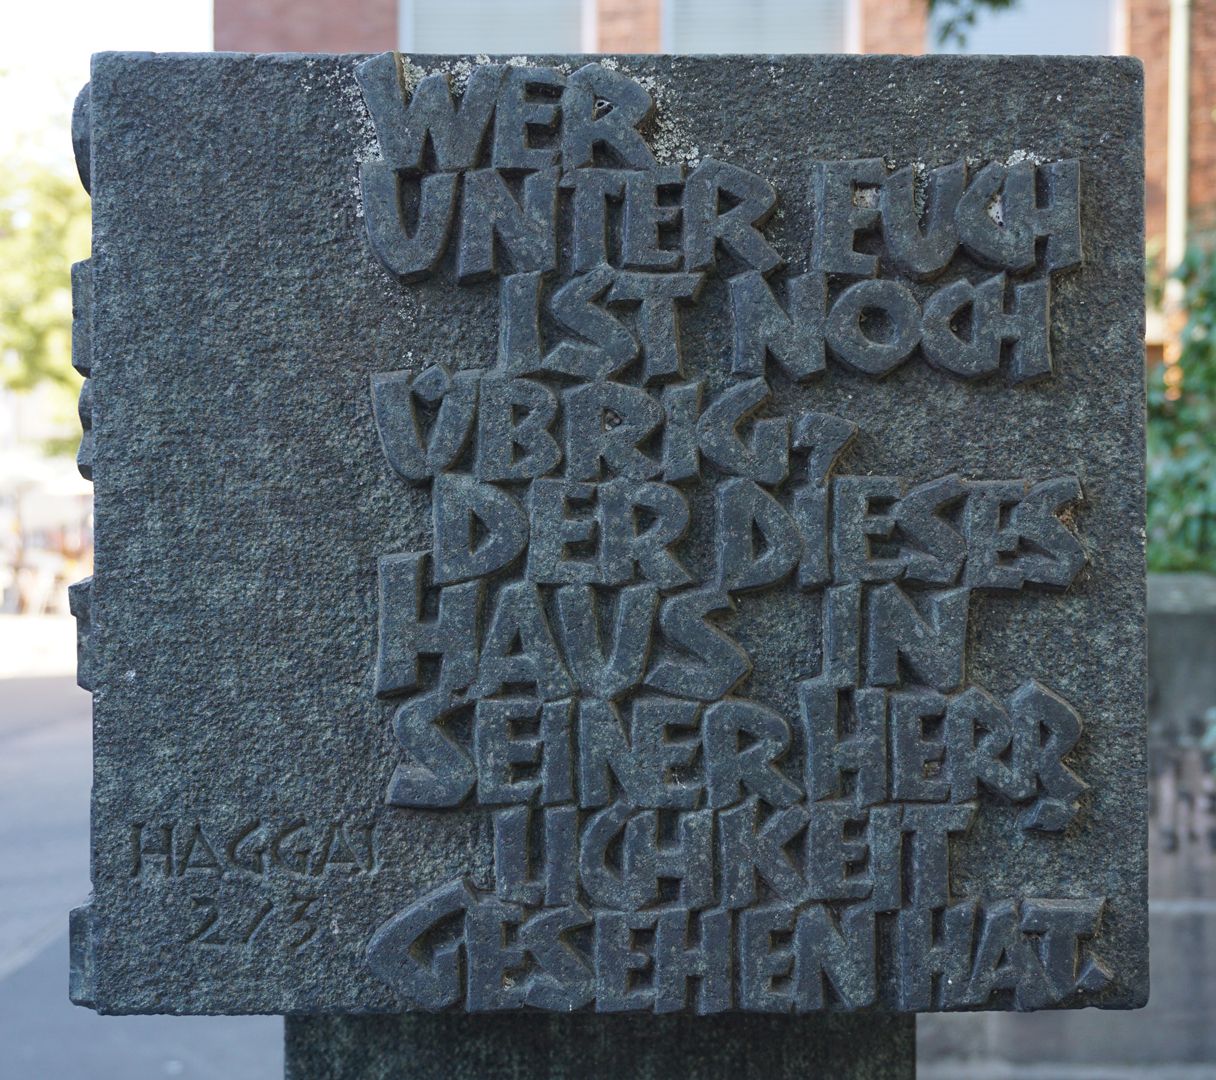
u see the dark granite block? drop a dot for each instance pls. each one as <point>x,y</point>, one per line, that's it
<point>664,535</point>
<point>735,1047</point>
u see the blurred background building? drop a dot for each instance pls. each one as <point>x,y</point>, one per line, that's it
<point>45,522</point>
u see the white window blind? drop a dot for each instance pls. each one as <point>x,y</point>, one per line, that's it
<point>491,26</point>
<point>754,26</point>
<point>1064,27</point>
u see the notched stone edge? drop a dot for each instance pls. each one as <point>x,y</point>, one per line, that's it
<point>82,136</point>
<point>80,604</point>
<point>84,455</point>
<point>82,980</point>
<point>82,358</point>
<point>82,316</point>
<point>82,285</point>
<point>82,974</point>
<point>80,594</point>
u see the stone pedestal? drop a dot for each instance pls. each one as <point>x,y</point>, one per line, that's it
<point>734,1046</point>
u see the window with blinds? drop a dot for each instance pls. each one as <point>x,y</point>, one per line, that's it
<point>754,26</point>
<point>491,26</point>
<point>1075,28</point>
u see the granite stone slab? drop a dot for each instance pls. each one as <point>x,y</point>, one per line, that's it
<point>740,1046</point>
<point>613,534</point>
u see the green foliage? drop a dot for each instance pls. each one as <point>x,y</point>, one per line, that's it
<point>44,228</point>
<point>957,17</point>
<point>1182,435</point>
<point>1154,275</point>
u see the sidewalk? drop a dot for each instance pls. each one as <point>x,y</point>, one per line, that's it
<point>46,1037</point>
<point>44,850</point>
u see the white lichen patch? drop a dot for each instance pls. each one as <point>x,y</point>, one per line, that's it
<point>1019,156</point>
<point>865,197</point>
<point>459,74</point>
<point>341,83</point>
<point>411,74</point>
<point>671,143</point>
<point>366,143</point>
<point>996,209</point>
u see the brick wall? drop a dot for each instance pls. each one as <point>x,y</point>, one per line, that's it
<point>628,26</point>
<point>305,25</point>
<point>892,26</point>
<point>1202,194</point>
<point>884,26</point>
<point>1148,37</point>
<point>1148,33</point>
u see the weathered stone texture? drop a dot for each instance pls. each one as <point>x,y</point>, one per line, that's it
<point>592,1047</point>
<point>865,487</point>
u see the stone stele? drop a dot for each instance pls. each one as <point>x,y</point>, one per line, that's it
<point>613,534</point>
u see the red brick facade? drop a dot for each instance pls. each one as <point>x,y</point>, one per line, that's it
<point>628,26</point>
<point>1148,37</point>
<point>892,26</point>
<point>1202,195</point>
<point>305,25</point>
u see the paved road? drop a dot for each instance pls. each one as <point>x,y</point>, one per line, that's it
<point>44,851</point>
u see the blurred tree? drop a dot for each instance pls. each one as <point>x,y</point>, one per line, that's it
<point>956,17</point>
<point>1182,433</point>
<point>44,228</point>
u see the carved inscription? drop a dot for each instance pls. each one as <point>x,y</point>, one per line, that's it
<point>561,654</point>
<point>218,925</point>
<point>209,869</point>
<point>294,848</point>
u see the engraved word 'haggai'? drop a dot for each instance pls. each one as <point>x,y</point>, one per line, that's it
<point>560,654</point>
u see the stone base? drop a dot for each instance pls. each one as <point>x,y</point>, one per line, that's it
<point>732,1046</point>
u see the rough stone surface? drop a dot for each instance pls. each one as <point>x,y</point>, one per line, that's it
<point>736,1047</point>
<point>266,840</point>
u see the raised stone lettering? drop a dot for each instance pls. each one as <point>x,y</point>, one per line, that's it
<point>588,124</point>
<point>873,326</point>
<point>405,635</point>
<point>793,336</point>
<point>609,503</point>
<point>396,398</point>
<point>409,249</point>
<point>842,210</point>
<point>921,243</point>
<point>478,528</point>
<point>765,456</point>
<point>527,100</point>
<point>930,644</point>
<point>513,421</point>
<point>393,952</point>
<point>492,217</point>
<point>738,230</point>
<point>603,670</point>
<point>430,118</point>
